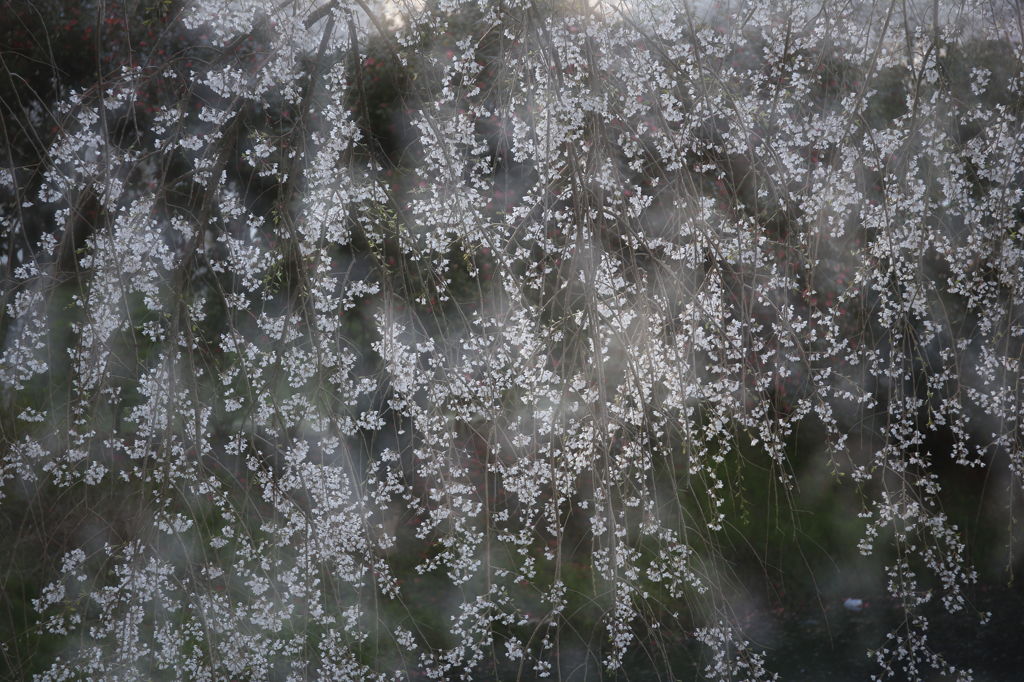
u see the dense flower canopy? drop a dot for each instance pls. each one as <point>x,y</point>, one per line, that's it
<point>474,339</point>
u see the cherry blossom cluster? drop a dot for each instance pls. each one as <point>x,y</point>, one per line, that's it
<point>457,381</point>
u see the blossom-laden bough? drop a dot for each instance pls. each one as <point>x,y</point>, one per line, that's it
<point>370,340</point>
